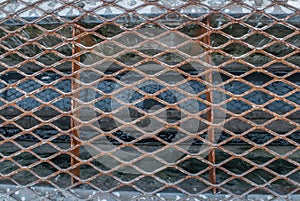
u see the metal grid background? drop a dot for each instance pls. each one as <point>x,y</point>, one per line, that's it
<point>62,61</point>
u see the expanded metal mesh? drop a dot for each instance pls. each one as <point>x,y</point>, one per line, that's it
<point>149,100</point>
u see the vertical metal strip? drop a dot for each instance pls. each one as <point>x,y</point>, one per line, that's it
<point>210,113</point>
<point>75,135</point>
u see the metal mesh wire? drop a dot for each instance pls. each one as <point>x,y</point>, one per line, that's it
<point>161,100</point>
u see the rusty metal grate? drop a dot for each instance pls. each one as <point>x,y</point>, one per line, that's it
<point>149,100</point>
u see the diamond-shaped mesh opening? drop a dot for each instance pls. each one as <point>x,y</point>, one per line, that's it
<point>237,106</point>
<point>44,169</point>
<point>258,40</point>
<point>279,50</point>
<point>192,49</point>
<point>11,77</point>
<point>89,59</point>
<point>109,30</point>
<point>171,96</point>
<point>171,17</point>
<point>294,78</point>
<point>12,59</point>
<point>236,49</point>
<point>170,135</point>
<point>255,116</point>
<point>279,88</point>
<point>236,87</point>
<point>288,147</point>
<point>44,151</point>
<point>193,186</point>
<point>87,171</point>
<point>48,77</point>
<point>148,164</point>
<point>133,20</point>
<point>31,50</point>
<point>294,59</point>
<point>28,104</point>
<point>149,145</point>
<point>105,182</point>
<point>218,20</point>
<point>259,156</point>
<point>191,30</point>
<point>148,184</point>
<point>289,187</point>
<point>284,126</point>
<point>259,136</point>
<point>90,40</point>
<point>171,59</point>
<point>294,40</point>
<point>130,58</point>
<point>292,20</point>
<point>187,11</point>
<point>280,107</point>
<point>260,78</point>
<point>171,175</point>
<point>45,132</point>
<point>279,11</point>
<point>50,41</point>
<point>243,186</point>
<point>218,58</point>
<point>279,69</point>
<point>19,177</point>
<point>167,100</point>
<point>130,40</point>
<point>25,159</point>
<point>258,97</point>
<point>193,165</point>
<point>279,30</point>
<point>30,32</point>
<point>257,59</point>
<point>281,166</point>
<point>5,164</point>
<point>236,30</point>
<point>10,112</point>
